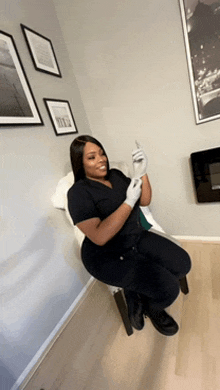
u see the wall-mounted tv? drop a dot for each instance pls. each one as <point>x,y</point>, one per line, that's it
<point>206,174</point>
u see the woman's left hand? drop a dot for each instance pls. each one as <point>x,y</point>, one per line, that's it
<point>140,162</point>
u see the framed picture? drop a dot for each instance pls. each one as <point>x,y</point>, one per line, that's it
<point>41,51</point>
<point>17,103</point>
<point>61,116</point>
<point>201,28</point>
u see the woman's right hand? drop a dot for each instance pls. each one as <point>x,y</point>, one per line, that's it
<point>140,162</point>
<point>133,192</point>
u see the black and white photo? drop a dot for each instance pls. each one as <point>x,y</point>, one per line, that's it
<point>61,116</point>
<point>201,27</point>
<point>17,103</point>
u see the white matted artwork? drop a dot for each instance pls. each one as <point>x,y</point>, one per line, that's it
<point>41,51</point>
<point>17,102</point>
<point>61,116</point>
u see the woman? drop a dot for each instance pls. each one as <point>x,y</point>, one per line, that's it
<point>117,250</point>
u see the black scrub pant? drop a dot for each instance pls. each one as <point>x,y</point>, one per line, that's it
<point>152,267</point>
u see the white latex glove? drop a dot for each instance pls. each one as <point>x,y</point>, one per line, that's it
<point>140,162</point>
<point>133,192</point>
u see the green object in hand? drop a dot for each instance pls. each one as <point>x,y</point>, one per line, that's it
<point>144,222</point>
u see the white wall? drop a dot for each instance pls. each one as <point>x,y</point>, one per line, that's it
<point>130,64</point>
<point>41,275</point>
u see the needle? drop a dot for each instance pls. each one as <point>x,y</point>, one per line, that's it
<point>137,144</point>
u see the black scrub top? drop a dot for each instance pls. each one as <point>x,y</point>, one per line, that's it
<point>88,198</point>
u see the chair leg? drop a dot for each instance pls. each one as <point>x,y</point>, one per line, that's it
<point>120,302</point>
<point>184,285</point>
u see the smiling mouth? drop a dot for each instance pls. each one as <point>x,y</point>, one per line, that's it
<point>103,167</point>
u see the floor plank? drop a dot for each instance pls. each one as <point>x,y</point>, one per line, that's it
<point>95,353</point>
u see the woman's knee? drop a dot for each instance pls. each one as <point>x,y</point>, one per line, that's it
<point>165,298</point>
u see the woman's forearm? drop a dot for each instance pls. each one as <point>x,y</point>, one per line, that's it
<point>111,225</point>
<point>100,232</point>
<point>146,191</point>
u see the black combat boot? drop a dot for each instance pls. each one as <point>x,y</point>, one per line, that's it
<point>135,309</point>
<point>162,321</point>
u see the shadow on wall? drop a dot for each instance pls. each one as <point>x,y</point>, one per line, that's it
<point>6,377</point>
<point>22,292</point>
<point>187,178</point>
<point>38,284</point>
<point>23,266</point>
<point>71,249</point>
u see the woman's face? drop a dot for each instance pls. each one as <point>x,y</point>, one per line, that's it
<point>94,161</point>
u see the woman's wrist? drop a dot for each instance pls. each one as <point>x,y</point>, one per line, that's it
<point>129,203</point>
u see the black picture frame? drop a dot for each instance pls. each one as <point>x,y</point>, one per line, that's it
<point>201,29</point>
<point>206,174</point>
<point>61,116</point>
<point>17,102</point>
<point>41,51</point>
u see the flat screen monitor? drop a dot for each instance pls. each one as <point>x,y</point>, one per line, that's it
<point>206,174</point>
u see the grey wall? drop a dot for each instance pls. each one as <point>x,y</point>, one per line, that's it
<point>130,64</point>
<point>128,61</point>
<point>40,272</point>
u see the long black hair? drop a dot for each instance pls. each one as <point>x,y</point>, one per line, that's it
<point>76,155</point>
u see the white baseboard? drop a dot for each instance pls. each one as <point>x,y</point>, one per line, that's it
<point>198,238</point>
<point>31,368</point>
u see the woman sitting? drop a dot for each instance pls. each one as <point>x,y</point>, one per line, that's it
<point>117,250</point>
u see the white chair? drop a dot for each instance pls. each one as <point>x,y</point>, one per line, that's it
<point>59,201</point>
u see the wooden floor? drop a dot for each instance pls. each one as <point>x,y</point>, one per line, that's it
<point>95,353</point>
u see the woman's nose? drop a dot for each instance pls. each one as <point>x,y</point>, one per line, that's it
<point>102,158</point>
